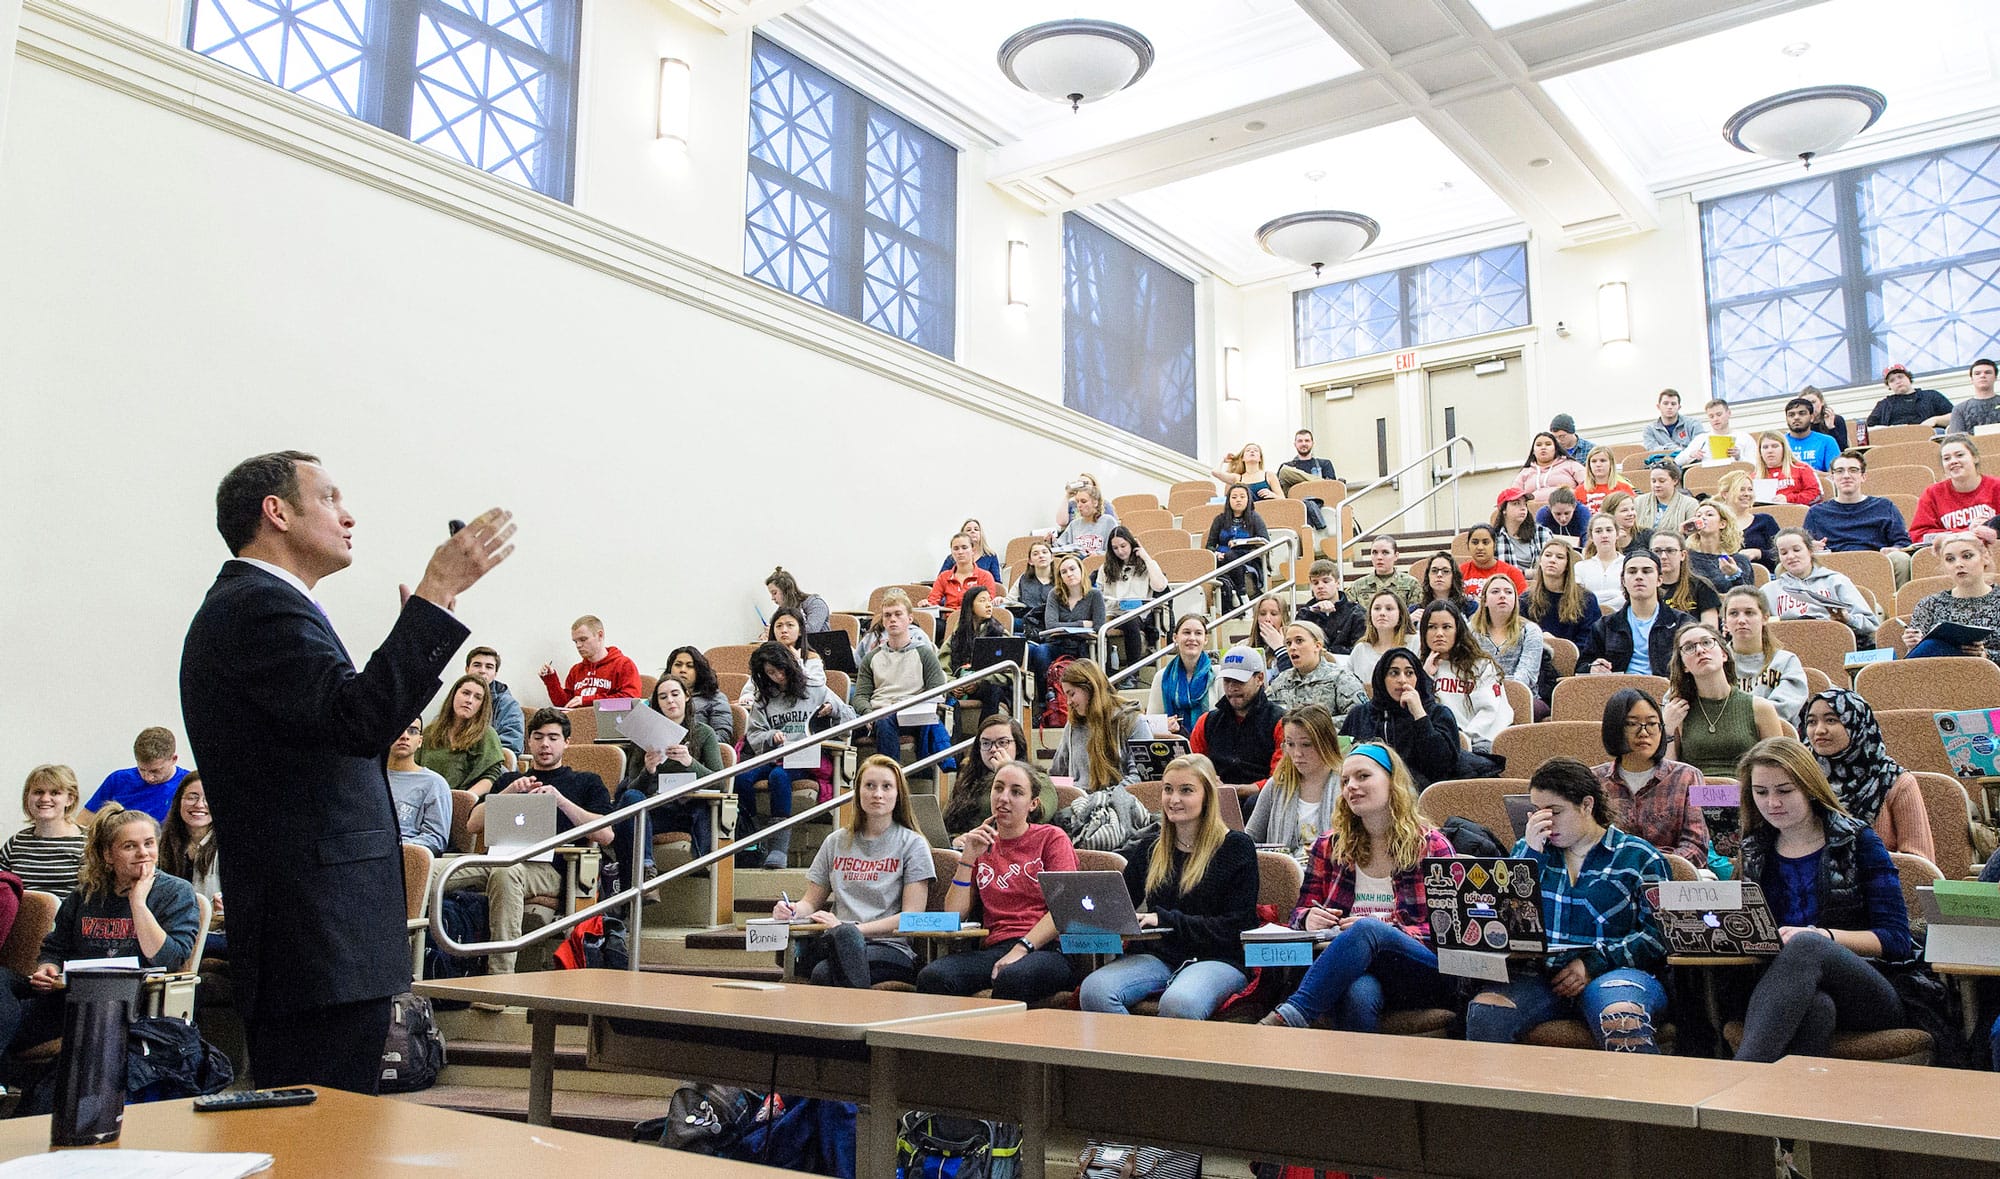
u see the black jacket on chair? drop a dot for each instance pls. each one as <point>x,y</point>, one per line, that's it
<point>293,743</point>
<point>1611,640</point>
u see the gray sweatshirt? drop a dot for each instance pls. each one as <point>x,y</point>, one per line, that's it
<point>890,676</point>
<point>1072,758</point>
<point>791,717</point>
<point>1786,596</point>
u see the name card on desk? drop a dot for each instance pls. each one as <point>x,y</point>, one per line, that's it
<point>674,783</point>
<point>1700,896</point>
<point>1298,953</point>
<point>1858,658</point>
<point>1724,794</point>
<point>806,758</point>
<point>1092,943</point>
<point>917,716</point>
<point>928,923</point>
<point>1468,964</point>
<point>1967,898</point>
<point>766,933</point>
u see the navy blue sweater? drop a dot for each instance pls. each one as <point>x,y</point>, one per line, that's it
<point>1872,524</point>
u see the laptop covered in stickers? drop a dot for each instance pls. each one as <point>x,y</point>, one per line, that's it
<point>1485,903</point>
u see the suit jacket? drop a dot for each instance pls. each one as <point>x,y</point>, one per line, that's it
<point>293,747</point>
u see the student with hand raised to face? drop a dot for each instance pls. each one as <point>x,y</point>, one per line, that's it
<point>1639,638</point>
<point>1839,905</point>
<point>863,879</point>
<point>1364,879</point>
<point>1000,870</point>
<point>1198,879</point>
<point>1001,740</point>
<point>1402,712</point>
<point>704,691</point>
<point>1604,950</point>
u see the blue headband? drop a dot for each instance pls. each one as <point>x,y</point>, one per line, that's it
<point>1375,752</point>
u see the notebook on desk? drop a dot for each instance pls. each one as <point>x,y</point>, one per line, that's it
<point>993,649</point>
<point>1484,903</point>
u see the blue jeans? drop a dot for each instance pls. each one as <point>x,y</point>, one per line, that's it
<point>780,790</point>
<point>889,741</point>
<point>1934,648</point>
<point>1192,992</point>
<point>632,841</point>
<point>1620,1007</point>
<point>1370,968</point>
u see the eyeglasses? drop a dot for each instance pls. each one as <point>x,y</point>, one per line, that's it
<point>995,745</point>
<point>1689,648</point>
<point>414,731</point>
<point>1642,726</point>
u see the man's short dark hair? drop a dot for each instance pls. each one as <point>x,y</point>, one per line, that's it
<point>1859,456</point>
<point>550,716</point>
<point>239,498</point>
<point>1980,361</point>
<point>1309,433</point>
<point>476,652</point>
<point>1799,402</point>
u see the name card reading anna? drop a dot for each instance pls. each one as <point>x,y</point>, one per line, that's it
<point>1700,896</point>
<point>1471,964</point>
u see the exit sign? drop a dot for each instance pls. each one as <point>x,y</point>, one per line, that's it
<point>1406,362</point>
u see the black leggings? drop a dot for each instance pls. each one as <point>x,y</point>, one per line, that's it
<point>1028,980</point>
<point>841,957</point>
<point>1813,988</point>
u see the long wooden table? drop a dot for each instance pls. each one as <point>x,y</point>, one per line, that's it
<point>813,1040</point>
<point>1866,1120</point>
<point>345,1135</point>
<point>1371,1104</point>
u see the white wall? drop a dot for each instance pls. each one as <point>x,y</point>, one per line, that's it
<point>179,296</point>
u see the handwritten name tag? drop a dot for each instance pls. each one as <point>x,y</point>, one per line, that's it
<point>766,934</point>
<point>1277,954</point>
<point>1092,943</point>
<point>927,923</point>
<point>1715,794</point>
<point>1467,964</point>
<point>1692,896</point>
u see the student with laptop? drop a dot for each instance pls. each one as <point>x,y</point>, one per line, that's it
<point>1646,789</point>
<point>1604,949</point>
<point>1839,905</point>
<point>1364,879</point>
<point>578,797</point>
<point>1186,686</point>
<point>1196,879</point>
<point>998,877</point>
<point>1297,807</point>
<point>1001,739</point>
<point>1971,601</point>
<point>863,879</point>
<point>786,709</point>
<point>460,745</point>
<point>1872,787</point>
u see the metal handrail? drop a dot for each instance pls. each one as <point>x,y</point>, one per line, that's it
<point>1290,540</point>
<point>1450,478</point>
<point>633,894</point>
<point>1247,607</point>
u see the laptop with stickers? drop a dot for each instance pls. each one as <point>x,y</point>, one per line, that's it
<point>1484,903</point>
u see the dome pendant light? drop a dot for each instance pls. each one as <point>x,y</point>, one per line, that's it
<point>1802,124</point>
<point>1075,61</point>
<point>1319,238</point>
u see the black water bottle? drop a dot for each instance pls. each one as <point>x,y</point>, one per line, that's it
<point>90,1073</point>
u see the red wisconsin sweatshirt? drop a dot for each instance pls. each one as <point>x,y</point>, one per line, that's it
<point>610,677</point>
<point>1942,509</point>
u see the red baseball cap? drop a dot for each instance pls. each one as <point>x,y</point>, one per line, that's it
<point>1895,368</point>
<point>1509,495</point>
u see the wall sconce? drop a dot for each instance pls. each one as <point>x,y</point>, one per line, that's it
<point>1017,273</point>
<point>1614,314</point>
<point>1232,374</point>
<point>676,84</point>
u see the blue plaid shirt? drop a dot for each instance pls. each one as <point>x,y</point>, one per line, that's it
<point>1606,917</point>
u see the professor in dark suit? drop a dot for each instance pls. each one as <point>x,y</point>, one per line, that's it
<point>292,741</point>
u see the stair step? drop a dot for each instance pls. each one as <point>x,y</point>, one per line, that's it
<point>609,1115</point>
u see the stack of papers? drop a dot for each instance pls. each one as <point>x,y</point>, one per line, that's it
<point>134,1164</point>
<point>1271,931</point>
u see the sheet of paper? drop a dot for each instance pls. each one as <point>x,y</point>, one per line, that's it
<point>766,933</point>
<point>917,716</point>
<point>1965,945</point>
<point>1719,446</point>
<point>1967,898</point>
<point>672,783</point>
<point>1715,794</point>
<point>1690,896</point>
<point>649,730</point>
<point>135,1164</point>
<point>1470,964</point>
<point>800,758</point>
<point>1157,725</point>
<point>86,964</point>
<point>1764,491</point>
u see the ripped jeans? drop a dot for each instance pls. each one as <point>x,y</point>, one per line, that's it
<point>1621,1008</point>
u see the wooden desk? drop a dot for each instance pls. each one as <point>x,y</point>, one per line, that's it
<point>813,1039</point>
<point>1366,1103</point>
<point>1866,1119</point>
<point>345,1134</point>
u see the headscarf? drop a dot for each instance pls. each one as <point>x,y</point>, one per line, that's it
<point>1378,693</point>
<point>1862,773</point>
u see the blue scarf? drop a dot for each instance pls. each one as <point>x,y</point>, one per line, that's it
<point>1186,696</point>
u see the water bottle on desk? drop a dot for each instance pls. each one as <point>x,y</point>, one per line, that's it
<point>90,1073</point>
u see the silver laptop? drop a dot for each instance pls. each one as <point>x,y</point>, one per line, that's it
<point>516,821</point>
<point>930,819</point>
<point>1090,902</point>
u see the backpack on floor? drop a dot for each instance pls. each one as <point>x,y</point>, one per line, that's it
<point>413,1055</point>
<point>1055,706</point>
<point>599,941</point>
<point>465,920</point>
<point>934,1146</point>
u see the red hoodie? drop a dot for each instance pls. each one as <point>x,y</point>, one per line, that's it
<point>610,677</point>
<point>1942,508</point>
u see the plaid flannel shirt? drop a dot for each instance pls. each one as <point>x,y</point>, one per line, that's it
<point>1330,884</point>
<point>1606,914</point>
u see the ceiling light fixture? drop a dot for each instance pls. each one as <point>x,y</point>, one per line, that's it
<point>1319,238</point>
<point>1801,124</point>
<point>1075,61</point>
